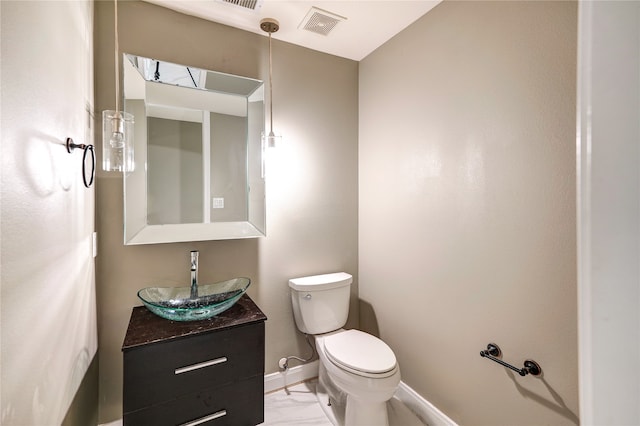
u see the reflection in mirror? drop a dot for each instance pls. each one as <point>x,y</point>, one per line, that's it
<point>198,154</point>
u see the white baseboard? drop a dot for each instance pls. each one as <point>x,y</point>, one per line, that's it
<point>300,373</point>
<point>427,412</point>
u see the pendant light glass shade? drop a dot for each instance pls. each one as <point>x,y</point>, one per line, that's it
<point>117,126</point>
<point>117,141</point>
<point>270,140</point>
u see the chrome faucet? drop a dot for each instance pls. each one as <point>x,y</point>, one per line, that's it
<point>194,274</point>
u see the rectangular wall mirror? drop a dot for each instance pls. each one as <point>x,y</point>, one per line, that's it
<point>198,154</point>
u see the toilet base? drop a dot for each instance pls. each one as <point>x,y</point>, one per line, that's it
<point>355,400</point>
<point>331,399</point>
<point>360,413</point>
<point>345,410</point>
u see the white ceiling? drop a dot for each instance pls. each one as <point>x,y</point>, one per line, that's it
<point>368,23</point>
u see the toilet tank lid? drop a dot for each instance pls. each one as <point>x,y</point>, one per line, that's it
<point>321,282</point>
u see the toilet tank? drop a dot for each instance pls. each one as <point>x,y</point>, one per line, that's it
<point>321,302</point>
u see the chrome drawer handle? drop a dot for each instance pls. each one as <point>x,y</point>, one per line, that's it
<point>213,416</point>
<point>201,365</point>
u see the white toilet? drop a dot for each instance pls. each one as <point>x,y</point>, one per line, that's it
<point>352,363</point>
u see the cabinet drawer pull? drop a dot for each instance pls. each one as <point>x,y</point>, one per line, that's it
<point>213,416</point>
<point>201,365</point>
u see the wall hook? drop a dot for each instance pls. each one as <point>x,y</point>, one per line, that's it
<point>493,353</point>
<point>86,148</point>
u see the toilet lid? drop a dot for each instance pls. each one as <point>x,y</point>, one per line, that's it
<point>360,351</point>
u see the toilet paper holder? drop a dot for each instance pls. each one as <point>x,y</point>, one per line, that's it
<point>493,353</point>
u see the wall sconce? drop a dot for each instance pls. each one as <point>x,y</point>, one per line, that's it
<point>117,126</point>
<point>270,140</point>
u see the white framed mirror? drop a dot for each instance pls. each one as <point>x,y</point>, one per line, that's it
<point>198,154</point>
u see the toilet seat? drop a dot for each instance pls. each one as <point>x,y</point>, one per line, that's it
<point>360,353</point>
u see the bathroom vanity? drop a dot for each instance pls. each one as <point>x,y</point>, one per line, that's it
<point>208,372</point>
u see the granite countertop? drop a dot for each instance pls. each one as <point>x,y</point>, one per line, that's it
<point>146,327</point>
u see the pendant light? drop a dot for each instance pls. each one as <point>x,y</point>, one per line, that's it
<point>117,126</point>
<point>270,140</point>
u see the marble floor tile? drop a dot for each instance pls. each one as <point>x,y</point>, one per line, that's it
<point>298,405</point>
<point>294,405</point>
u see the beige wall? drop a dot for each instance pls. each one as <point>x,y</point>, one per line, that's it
<point>48,300</point>
<point>467,207</point>
<point>311,184</point>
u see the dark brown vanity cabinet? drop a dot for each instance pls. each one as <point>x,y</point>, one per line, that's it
<point>208,372</point>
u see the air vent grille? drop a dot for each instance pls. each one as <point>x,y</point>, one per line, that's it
<point>247,4</point>
<point>320,21</point>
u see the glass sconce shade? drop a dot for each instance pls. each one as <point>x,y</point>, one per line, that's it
<point>117,141</point>
<point>269,141</point>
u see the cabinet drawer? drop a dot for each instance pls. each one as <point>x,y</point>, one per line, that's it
<point>238,404</point>
<point>168,370</point>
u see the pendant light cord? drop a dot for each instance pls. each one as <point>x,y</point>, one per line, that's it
<point>270,87</point>
<point>117,59</point>
<point>270,26</point>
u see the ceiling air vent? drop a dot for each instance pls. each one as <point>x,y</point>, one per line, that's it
<point>246,4</point>
<point>320,21</point>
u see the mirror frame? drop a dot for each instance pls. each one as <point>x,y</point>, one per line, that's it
<point>136,228</point>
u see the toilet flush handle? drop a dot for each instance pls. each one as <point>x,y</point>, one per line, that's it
<point>307,296</point>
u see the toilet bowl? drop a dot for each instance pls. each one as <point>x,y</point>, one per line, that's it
<point>363,367</point>
<point>353,363</point>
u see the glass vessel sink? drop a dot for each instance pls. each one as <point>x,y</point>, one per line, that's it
<point>177,303</point>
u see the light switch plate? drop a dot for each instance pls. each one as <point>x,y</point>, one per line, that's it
<point>217,203</point>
